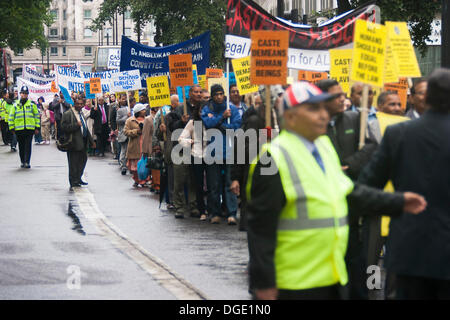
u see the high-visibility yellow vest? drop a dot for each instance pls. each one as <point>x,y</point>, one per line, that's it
<point>3,115</point>
<point>313,227</point>
<point>23,117</point>
<point>384,120</point>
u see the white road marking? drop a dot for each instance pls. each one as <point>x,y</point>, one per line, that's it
<point>162,274</point>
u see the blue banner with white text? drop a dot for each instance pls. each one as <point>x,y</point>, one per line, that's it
<point>154,61</point>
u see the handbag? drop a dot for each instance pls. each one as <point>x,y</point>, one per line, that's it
<point>156,161</point>
<point>64,143</point>
<point>142,169</point>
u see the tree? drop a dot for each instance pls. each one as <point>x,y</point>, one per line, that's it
<point>175,20</point>
<point>419,14</point>
<point>23,24</point>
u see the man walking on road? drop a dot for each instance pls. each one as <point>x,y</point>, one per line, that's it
<point>415,155</point>
<point>298,203</point>
<point>24,121</point>
<point>73,123</point>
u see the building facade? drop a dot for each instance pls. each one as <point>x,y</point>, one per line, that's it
<point>71,41</point>
<point>307,7</point>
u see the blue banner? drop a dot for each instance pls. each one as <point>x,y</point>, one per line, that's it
<point>66,95</point>
<point>154,61</point>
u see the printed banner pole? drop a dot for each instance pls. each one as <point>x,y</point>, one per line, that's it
<point>128,101</point>
<point>228,89</point>
<point>184,101</point>
<point>364,113</point>
<point>163,122</point>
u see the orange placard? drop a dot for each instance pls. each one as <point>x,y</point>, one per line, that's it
<point>180,67</point>
<point>401,88</point>
<point>53,88</point>
<point>96,85</point>
<point>311,76</point>
<point>214,73</point>
<point>269,57</point>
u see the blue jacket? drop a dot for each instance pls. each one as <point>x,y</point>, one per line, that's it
<point>212,117</point>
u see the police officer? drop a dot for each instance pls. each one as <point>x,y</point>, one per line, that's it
<point>4,118</point>
<point>24,121</point>
<point>297,209</point>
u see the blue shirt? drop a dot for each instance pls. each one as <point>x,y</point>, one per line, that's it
<point>372,112</point>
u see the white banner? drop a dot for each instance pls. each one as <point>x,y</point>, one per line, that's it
<point>126,80</point>
<point>301,59</point>
<point>29,73</point>
<point>36,91</point>
<point>73,79</point>
<point>114,58</point>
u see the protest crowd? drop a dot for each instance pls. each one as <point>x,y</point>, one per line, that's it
<point>203,154</point>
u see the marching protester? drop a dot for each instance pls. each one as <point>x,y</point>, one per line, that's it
<point>112,117</point>
<point>38,137</point>
<point>73,123</point>
<point>24,122</point>
<point>133,130</point>
<point>58,106</point>
<point>414,156</point>
<point>101,128</point>
<point>356,92</point>
<point>236,99</point>
<point>297,206</point>
<point>90,124</point>
<point>4,117</point>
<point>123,113</point>
<point>183,174</point>
<point>216,115</point>
<point>45,124</point>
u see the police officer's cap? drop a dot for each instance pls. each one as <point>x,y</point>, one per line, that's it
<point>24,89</point>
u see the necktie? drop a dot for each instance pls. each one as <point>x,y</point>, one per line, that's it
<point>318,158</point>
<point>84,125</point>
<point>103,115</point>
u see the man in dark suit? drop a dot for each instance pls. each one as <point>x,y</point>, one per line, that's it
<point>101,127</point>
<point>415,155</point>
<point>418,92</point>
<point>73,123</point>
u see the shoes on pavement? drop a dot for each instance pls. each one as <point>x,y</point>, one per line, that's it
<point>47,142</point>
<point>203,217</point>
<point>195,214</point>
<point>179,215</point>
<point>124,172</point>
<point>170,206</point>
<point>83,183</point>
<point>215,220</point>
<point>75,185</point>
<point>22,165</point>
<point>232,221</point>
<point>27,166</point>
<point>136,185</point>
<point>13,149</point>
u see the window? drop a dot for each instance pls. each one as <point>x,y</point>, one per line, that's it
<point>128,32</point>
<point>53,32</point>
<point>87,33</point>
<point>64,15</point>
<point>20,52</point>
<point>108,32</point>
<point>128,14</point>
<point>87,14</point>
<point>64,51</point>
<point>54,14</point>
<point>88,51</point>
<point>53,51</point>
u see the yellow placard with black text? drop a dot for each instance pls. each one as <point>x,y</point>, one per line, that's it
<point>158,91</point>
<point>340,65</point>
<point>369,53</point>
<point>241,69</point>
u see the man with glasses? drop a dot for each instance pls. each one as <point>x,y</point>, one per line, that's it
<point>418,92</point>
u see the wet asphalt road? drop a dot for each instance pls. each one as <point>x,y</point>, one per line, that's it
<point>45,236</point>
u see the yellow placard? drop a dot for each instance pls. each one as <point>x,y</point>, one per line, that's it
<point>402,49</point>
<point>340,65</point>
<point>222,81</point>
<point>369,52</point>
<point>136,95</point>
<point>390,66</point>
<point>241,69</point>
<point>202,81</point>
<point>158,91</point>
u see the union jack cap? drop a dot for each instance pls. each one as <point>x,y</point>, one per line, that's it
<point>303,92</point>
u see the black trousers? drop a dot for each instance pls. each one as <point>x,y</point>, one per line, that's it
<point>5,134</point>
<point>419,288</point>
<point>25,140</point>
<point>102,138</point>
<point>77,162</point>
<point>323,293</point>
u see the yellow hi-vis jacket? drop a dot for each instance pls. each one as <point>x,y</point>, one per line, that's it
<point>24,117</point>
<point>313,227</point>
<point>3,114</point>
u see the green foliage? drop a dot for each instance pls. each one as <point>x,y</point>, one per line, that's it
<point>22,24</point>
<point>175,20</point>
<point>419,14</point>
